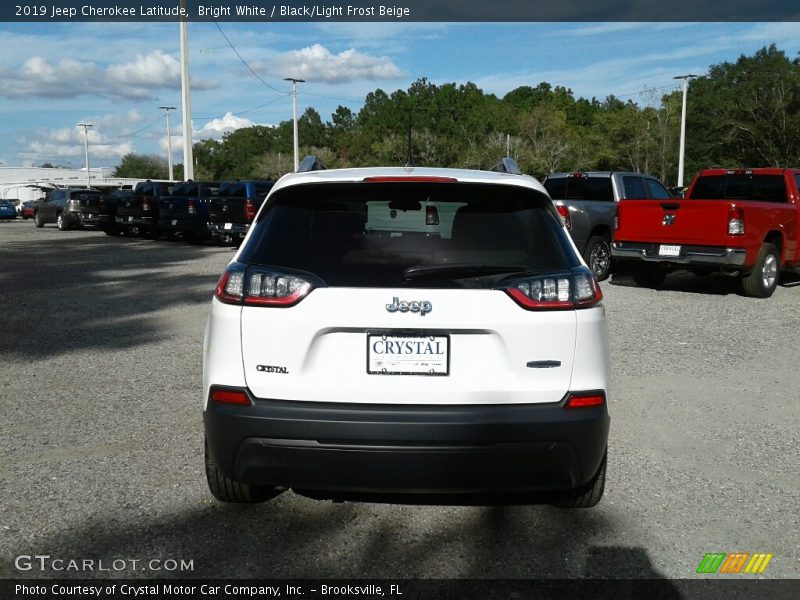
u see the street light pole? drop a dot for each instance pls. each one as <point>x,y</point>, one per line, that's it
<point>186,101</point>
<point>86,151</point>
<point>294,117</point>
<point>169,140</point>
<point>681,152</point>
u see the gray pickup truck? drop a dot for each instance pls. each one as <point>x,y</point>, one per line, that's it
<point>587,203</point>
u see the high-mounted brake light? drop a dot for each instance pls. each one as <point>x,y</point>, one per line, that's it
<point>735,221</point>
<point>566,219</point>
<point>578,175</point>
<point>223,396</point>
<point>585,399</point>
<point>249,210</point>
<point>410,179</point>
<point>261,288</point>
<point>556,292</point>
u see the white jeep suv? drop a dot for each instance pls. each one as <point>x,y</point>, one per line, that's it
<point>395,331</point>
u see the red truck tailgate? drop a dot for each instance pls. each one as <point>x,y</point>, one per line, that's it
<point>700,222</point>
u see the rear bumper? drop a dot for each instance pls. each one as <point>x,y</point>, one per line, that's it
<point>701,256</point>
<point>132,221</point>
<point>98,220</point>
<point>313,446</point>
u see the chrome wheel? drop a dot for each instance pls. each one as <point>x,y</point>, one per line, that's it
<point>769,271</point>
<point>600,259</point>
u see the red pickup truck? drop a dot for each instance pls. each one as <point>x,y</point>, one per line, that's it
<point>743,222</point>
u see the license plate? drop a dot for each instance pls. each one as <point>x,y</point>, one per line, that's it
<point>228,226</point>
<point>669,250</point>
<point>130,219</point>
<point>408,354</point>
<point>174,222</point>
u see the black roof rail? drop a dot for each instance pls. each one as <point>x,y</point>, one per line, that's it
<point>310,163</point>
<point>507,165</point>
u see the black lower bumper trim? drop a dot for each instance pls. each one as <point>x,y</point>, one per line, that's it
<point>344,448</point>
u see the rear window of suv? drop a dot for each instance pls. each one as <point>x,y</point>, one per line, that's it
<point>370,234</point>
<point>580,187</point>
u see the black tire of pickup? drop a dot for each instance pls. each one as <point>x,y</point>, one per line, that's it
<point>228,490</point>
<point>588,495</point>
<point>37,220</point>
<point>598,256</point>
<point>648,276</point>
<point>763,278</point>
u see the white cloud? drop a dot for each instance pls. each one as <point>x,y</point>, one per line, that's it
<point>318,64</point>
<point>68,142</point>
<point>70,78</point>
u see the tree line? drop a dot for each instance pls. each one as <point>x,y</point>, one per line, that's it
<point>744,113</point>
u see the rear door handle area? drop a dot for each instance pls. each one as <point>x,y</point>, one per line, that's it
<point>544,364</point>
<point>670,206</point>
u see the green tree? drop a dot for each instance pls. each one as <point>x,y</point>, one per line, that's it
<point>142,166</point>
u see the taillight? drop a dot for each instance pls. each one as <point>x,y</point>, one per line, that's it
<point>190,208</point>
<point>256,287</point>
<point>229,396</point>
<point>563,212</point>
<point>616,217</point>
<point>249,210</point>
<point>735,221</point>
<point>585,399</point>
<point>431,215</point>
<point>145,205</point>
<point>556,292</point>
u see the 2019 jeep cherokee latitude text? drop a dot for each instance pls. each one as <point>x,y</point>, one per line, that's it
<point>407,331</point>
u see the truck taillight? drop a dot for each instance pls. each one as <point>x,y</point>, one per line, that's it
<point>616,217</point>
<point>735,221</point>
<point>145,204</point>
<point>249,210</point>
<point>191,208</point>
<point>257,287</point>
<point>556,292</point>
<point>563,212</point>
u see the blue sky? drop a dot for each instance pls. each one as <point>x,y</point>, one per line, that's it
<point>116,75</point>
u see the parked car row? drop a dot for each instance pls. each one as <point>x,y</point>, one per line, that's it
<point>154,209</point>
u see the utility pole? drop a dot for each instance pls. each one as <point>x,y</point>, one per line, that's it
<point>681,154</point>
<point>86,151</point>
<point>169,140</point>
<point>186,101</point>
<point>294,117</point>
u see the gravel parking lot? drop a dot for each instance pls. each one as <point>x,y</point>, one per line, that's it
<point>101,444</point>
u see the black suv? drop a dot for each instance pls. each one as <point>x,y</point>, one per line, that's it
<point>63,207</point>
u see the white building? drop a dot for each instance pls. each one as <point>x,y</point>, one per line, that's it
<point>30,183</point>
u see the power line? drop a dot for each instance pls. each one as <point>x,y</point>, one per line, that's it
<point>241,112</point>
<point>138,131</point>
<point>244,62</point>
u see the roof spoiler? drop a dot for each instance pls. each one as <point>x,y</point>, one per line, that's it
<point>507,165</point>
<point>310,163</point>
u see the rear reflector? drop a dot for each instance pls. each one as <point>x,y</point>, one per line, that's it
<point>229,397</point>
<point>585,399</point>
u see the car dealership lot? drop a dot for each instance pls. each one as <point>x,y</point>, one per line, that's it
<point>101,444</point>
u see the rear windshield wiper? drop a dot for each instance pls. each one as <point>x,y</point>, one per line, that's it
<point>457,271</point>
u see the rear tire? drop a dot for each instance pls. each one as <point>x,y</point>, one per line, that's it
<point>598,256</point>
<point>61,222</point>
<point>762,280</point>
<point>648,276</point>
<point>37,220</point>
<point>228,490</point>
<point>587,495</point>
